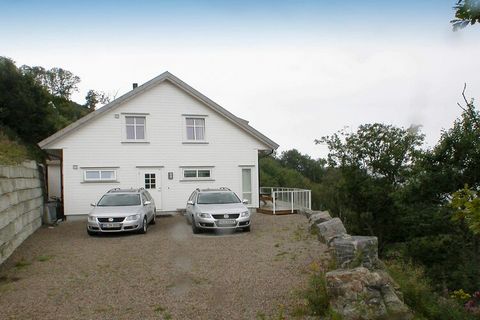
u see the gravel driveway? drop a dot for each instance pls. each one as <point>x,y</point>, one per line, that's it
<point>169,273</point>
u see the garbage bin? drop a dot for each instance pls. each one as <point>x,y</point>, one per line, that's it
<point>50,213</point>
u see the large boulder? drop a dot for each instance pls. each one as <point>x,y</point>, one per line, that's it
<point>355,251</point>
<point>361,294</point>
<point>331,229</point>
<point>317,217</point>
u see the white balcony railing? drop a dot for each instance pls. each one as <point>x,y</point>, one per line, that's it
<point>284,199</point>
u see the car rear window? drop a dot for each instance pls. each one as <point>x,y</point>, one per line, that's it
<point>217,198</point>
<point>114,200</point>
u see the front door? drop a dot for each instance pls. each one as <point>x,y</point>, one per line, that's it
<point>151,180</point>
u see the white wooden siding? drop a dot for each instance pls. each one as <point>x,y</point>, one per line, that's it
<point>99,144</point>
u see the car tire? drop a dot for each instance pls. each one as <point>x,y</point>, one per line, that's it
<point>91,233</point>
<point>144,227</point>
<point>195,229</point>
<point>154,217</point>
<point>246,229</point>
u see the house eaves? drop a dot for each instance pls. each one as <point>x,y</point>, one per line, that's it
<point>166,76</point>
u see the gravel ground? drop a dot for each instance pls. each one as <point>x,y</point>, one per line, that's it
<point>169,273</point>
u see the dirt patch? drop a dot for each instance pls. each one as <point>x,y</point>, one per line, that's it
<point>168,273</point>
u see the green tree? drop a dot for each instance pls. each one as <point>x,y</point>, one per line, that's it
<point>372,164</point>
<point>93,98</point>
<point>466,12</point>
<point>26,106</point>
<point>59,82</point>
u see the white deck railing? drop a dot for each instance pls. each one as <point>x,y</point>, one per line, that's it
<point>288,198</point>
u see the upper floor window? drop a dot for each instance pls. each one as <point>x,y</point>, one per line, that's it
<point>195,128</point>
<point>135,127</point>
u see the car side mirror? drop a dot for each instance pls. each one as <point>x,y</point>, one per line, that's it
<point>93,204</point>
<point>190,202</point>
<point>146,203</point>
<point>245,201</point>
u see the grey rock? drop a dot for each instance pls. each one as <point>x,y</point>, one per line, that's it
<point>355,251</point>
<point>317,217</point>
<point>331,229</point>
<point>362,294</point>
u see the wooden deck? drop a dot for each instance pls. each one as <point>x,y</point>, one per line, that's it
<point>277,212</point>
<point>281,208</point>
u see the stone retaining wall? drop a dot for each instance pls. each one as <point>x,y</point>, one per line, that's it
<point>359,287</point>
<point>21,205</point>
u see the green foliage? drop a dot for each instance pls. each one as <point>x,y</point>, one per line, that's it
<point>11,151</point>
<point>419,295</point>
<point>59,82</point>
<point>466,12</point>
<point>26,106</point>
<point>466,206</point>
<point>93,98</point>
<point>372,164</point>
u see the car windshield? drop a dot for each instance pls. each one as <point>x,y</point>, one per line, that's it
<point>217,198</point>
<point>115,200</point>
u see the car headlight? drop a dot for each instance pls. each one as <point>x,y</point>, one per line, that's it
<point>204,215</point>
<point>133,217</point>
<point>92,219</point>
<point>245,214</point>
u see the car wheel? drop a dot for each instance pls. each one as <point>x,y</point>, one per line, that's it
<point>195,229</point>
<point>91,233</point>
<point>246,229</point>
<point>154,217</point>
<point>144,227</point>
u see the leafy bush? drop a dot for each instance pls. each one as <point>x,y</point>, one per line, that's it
<point>419,295</point>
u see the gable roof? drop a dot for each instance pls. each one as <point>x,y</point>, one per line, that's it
<point>166,76</point>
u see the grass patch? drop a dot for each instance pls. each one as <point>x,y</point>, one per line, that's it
<point>44,258</point>
<point>22,264</point>
<point>163,311</point>
<point>419,295</point>
<point>12,151</point>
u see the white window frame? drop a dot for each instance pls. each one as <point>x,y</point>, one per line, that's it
<point>197,169</point>
<point>124,127</point>
<point>184,129</point>
<point>99,179</point>
<point>250,168</point>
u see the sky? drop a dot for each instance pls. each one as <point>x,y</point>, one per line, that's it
<point>297,70</point>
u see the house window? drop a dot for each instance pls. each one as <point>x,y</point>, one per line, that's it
<point>195,129</point>
<point>197,174</point>
<point>135,127</point>
<point>150,181</point>
<point>99,175</point>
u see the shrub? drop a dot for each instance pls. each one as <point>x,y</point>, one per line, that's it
<point>419,295</point>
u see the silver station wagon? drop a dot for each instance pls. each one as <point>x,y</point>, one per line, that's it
<point>122,210</point>
<point>217,209</point>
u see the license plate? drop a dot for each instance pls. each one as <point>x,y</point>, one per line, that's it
<point>110,225</point>
<point>226,222</point>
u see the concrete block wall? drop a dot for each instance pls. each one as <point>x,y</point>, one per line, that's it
<point>21,205</point>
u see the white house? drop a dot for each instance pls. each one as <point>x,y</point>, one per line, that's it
<point>164,136</point>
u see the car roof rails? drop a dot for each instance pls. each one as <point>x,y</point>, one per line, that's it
<point>114,189</point>
<point>224,188</point>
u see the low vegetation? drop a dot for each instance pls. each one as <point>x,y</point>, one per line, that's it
<point>423,205</point>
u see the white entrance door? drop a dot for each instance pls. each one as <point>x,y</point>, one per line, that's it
<point>151,180</point>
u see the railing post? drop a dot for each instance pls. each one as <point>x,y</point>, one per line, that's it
<point>292,201</point>
<point>273,201</point>
<point>309,199</point>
